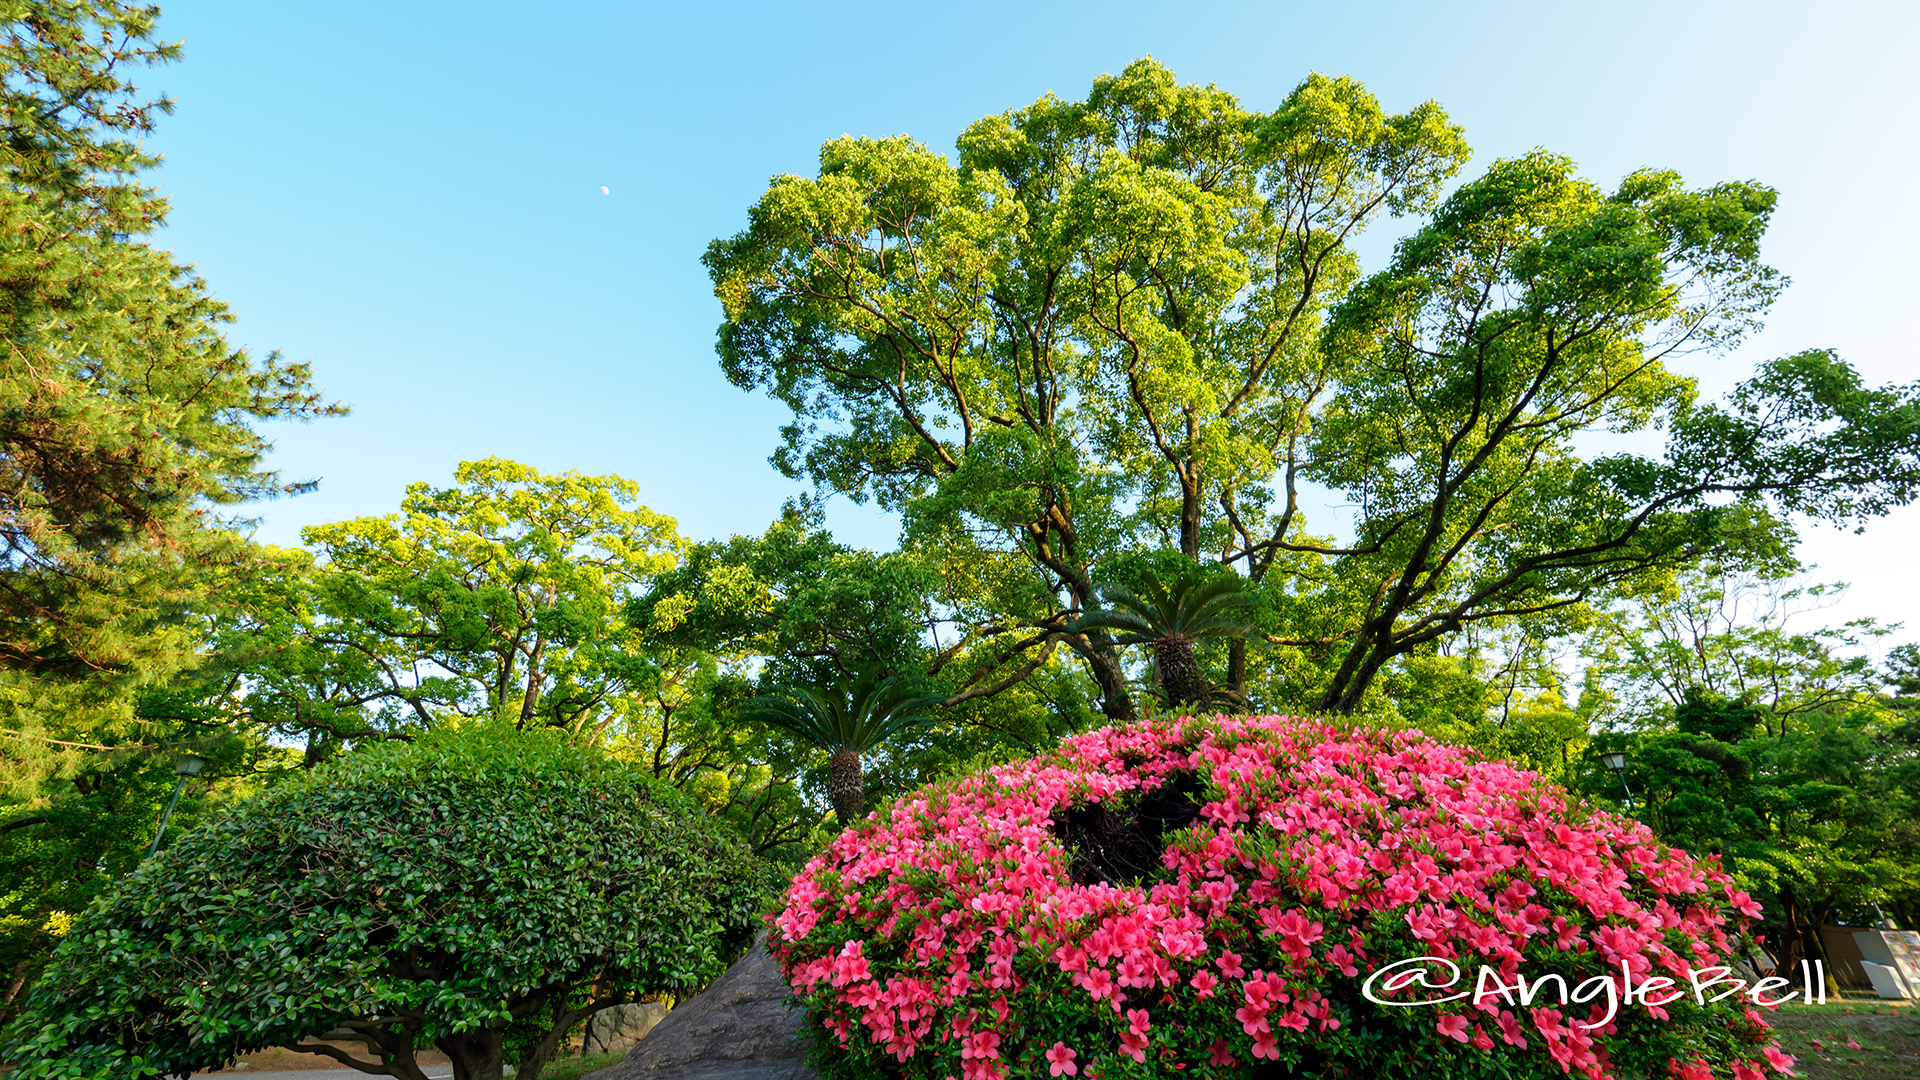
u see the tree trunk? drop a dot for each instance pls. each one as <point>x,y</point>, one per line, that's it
<point>1237,671</point>
<point>536,1057</point>
<point>19,980</point>
<point>846,785</point>
<point>531,699</point>
<point>1180,674</point>
<point>1190,514</point>
<point>477,1054</point>
<point>1363,661</point>
<point>1820,949</point>
<point>1115,702</point>
<point>1792,943</point>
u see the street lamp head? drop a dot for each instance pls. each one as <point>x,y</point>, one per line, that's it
<point>189,765</point>
<point>1614,760</point>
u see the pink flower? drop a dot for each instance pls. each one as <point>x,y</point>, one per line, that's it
<point>1695,1069</point>
<point>1265,1047</point>
<point>1229,964</point>
<point>1510,1030</point>
<point>1098,983</point>
<point>980,1044</point>
<point>1060,1061</point>
<point>1453,1027</point>
<point>1782,1063</point>
<point>1339,957</point>
<point>1744,1071</point>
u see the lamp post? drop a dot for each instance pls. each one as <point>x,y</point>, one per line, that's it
<point>1617,761</point>
<point>183,766</point>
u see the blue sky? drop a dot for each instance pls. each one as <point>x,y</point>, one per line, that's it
<point>409,195</point>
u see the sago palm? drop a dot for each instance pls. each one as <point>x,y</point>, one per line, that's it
<point>846,721</point>
<point>1172,617</point>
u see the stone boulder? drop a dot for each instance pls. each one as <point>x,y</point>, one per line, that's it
<point>620,1027</point>
<point>739,1029</point>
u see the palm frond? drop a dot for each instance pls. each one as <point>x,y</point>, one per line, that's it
<point>857,715</point>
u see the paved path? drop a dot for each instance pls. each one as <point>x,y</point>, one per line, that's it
<point>432,1073</point>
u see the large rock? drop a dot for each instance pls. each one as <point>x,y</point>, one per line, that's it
<point>620,1027</point>
<point>740,1029</point>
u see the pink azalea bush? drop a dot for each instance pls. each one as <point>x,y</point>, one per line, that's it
<point>964,932</point>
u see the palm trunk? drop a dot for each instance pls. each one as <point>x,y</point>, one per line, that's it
<point>846,785</point>
<point>1180,673</point>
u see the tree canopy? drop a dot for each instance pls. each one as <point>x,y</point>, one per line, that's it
<point>1136,322</point>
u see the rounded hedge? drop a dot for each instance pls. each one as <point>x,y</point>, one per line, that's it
<point>433,893</point>
<point>1201,897</point>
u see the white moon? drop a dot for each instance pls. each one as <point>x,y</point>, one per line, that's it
<point>604,191</point>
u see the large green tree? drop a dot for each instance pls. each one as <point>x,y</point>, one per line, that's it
<point>1136,321</point>
<point>501,599</point>
<point>1758,735</point>
<point>496,598</point>
<point>1816,817</point>
<point>1072,337</point>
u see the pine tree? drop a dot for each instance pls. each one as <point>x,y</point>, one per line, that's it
<point>126,419</point>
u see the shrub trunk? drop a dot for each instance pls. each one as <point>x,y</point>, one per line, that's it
<point>476,1055</point>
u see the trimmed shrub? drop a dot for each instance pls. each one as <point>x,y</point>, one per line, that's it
<point>1208,898</point>
<point>479,884</point>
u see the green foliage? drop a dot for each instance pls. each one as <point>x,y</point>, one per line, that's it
<point>1732,636</point>
<point>849,719</point>
<point>127,424</point>
<point>432,893</point>
<point>508,596</point>
<point>1764,742</point>
<point>1135,323</point>
<point>814,609</point>
<point>1817,817</point>
<point>1173,615</point>
<point>1084,332</point>
<point>500,597</point>
<point>77,833</point>
<point>1903,669</point>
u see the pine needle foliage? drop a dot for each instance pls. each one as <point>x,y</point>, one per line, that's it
<point>127,422</point>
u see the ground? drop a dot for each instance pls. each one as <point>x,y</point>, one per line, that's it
<point>282,1064</point>
<point>1853,1040</point>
